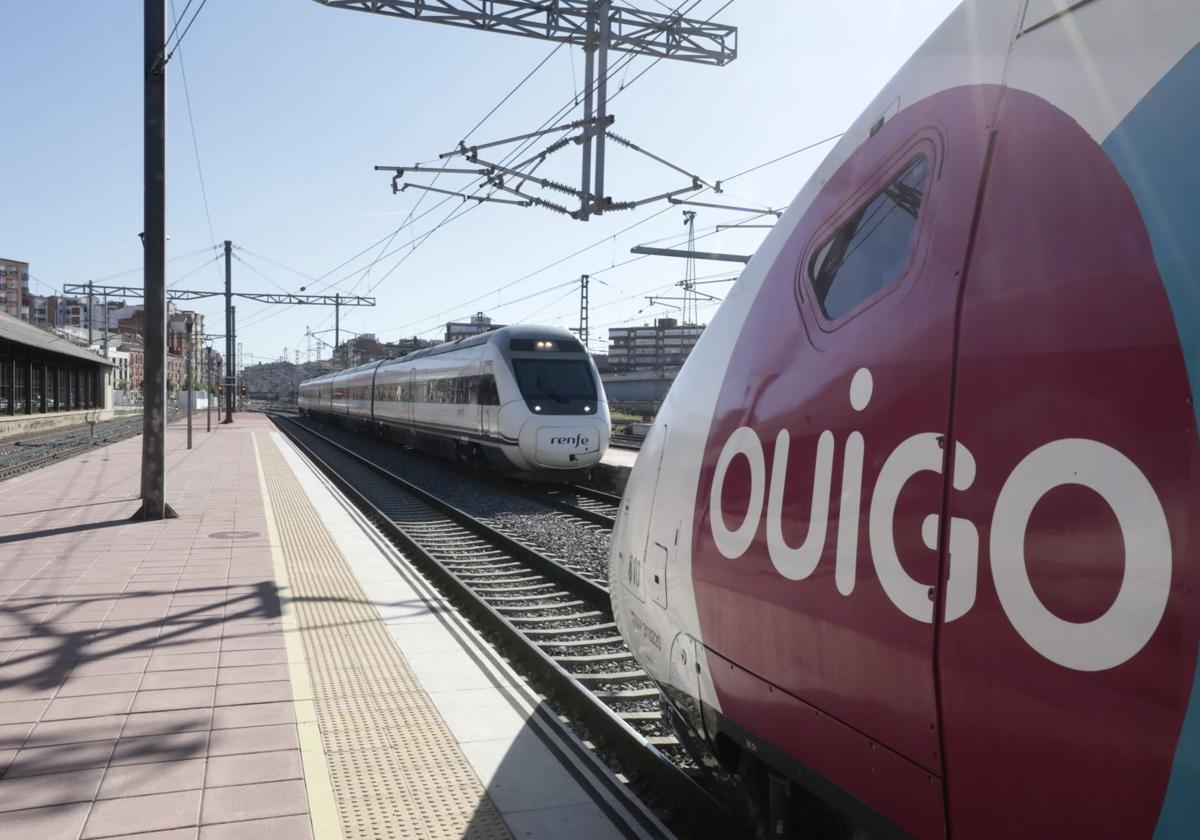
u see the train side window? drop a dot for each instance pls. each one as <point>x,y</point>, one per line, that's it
<point>871,250</point>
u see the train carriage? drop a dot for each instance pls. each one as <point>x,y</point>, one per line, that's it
<point>914,537</point>
<point>525,400</point>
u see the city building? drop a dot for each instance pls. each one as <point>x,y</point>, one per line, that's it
<point>368,348</point>
<point>14,287</point>
<point>665,344</point>
<point>43,374</point>
<point>123,393</point>
<point>137,361</point>
<point>38,310</point>
<point>478,323</point>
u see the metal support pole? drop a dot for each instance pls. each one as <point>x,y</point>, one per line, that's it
<point>228,331</point>
<point>188,383</point>
<point>89,314</point>
<point>602,100</point>
<point>238,401</point>
<point>237,361</point>
<point>337,324</point>
<point>208,389</point>
<point>154,241</point>
<point>583,310</point>
<point>589,85</point>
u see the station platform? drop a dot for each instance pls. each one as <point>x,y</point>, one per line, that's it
<point>264,666</point>
<point>614,468</point>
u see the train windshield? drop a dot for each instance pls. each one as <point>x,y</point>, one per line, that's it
<point>555,379</point>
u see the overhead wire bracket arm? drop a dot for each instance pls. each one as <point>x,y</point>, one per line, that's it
<point>437,170</point>
<point>479,198</point>
<point>628,144</point>
<point>758,210</point>
<point>694,255</point>
<point>629,205</point>
<point>470,151</point>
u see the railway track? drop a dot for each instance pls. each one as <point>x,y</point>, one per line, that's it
<point>557,622</point>
<point>625,441</point>
<point>584,503</point>
<point>27,453</point>
<point>580,501</point>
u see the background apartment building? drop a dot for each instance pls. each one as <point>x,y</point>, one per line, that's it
<point>663,345</point>
<point>14,287</point>
<point>476,324</point>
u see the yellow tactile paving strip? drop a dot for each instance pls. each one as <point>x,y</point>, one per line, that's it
<point>394,768</point>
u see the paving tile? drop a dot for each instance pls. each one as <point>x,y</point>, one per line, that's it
<point>189,833</point>
<point>480,714</point>
<point>254,767</point>
<point>258,692</point>
<point>253,674</point>
<point>147,749</point>
<point>102,684</point>
<point>33,761</point>
<point>505,768</point>
<point>187,678</point>
<point>249,802</point>
<point>260,641</point>
<point>57,822</point>
<point>22,711</point>
<point>32,689</point>
<point>259,714</point>
<point>279,828</point>
<point>253,739</point>
<point>448,671</point>
<point>143,813</point>
<point>177,720</point>
<point>173,698</point>
<point>78,730</point>
<point>18,793</point>
<point>12,735</point>
<point>156,777</point>
<point>119,665</point>
<point>574,822</point>
<point>235,658</point>
<point>83,707</point>
<point>183,646</point>
<point>164,661</point>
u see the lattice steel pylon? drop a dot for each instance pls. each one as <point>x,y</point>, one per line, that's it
<point>595,25</point>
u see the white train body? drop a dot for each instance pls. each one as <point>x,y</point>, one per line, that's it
<point>527,400</point>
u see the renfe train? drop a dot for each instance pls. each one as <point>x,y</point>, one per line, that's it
<point>524,400</point>
<point>915,539</point>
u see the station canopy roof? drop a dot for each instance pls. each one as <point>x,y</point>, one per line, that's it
<point>20,332</point>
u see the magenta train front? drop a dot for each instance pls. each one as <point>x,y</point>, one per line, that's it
<point>916,532</point>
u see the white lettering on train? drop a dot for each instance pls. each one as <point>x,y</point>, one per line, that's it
<point>1096,645</point>
<point>573,440</point>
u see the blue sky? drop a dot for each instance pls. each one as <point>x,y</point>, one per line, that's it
<point>293,104</point>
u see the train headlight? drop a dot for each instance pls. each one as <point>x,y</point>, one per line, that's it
<point>542,344</point>
<point>587,408</point>
<point>537,408</point>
